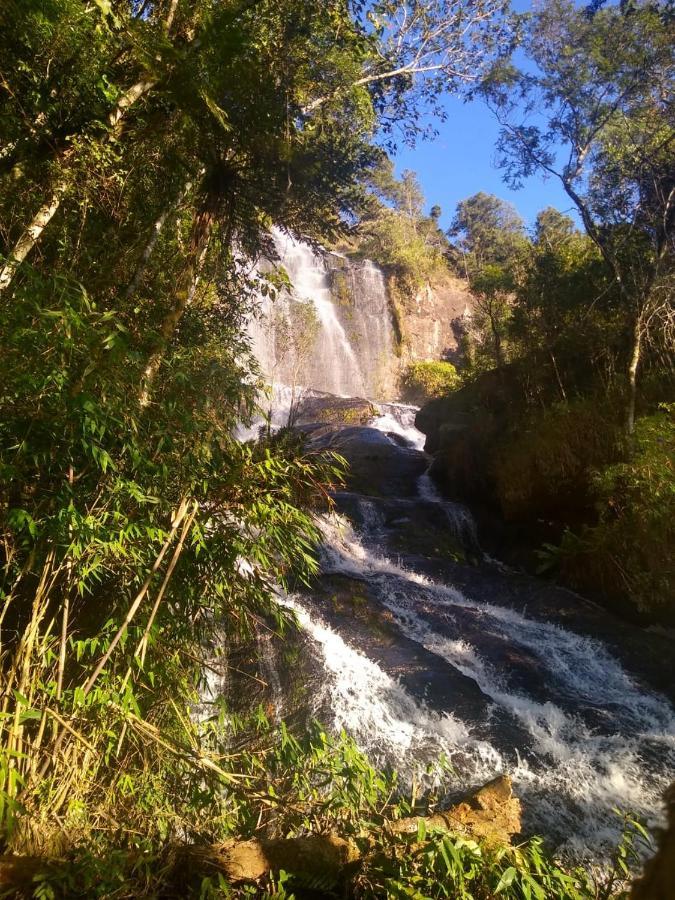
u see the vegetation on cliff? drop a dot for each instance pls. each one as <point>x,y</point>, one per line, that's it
<point>394,231</point>
<point>574,423</point>
<point>147,148</point>
<point>421,381</point>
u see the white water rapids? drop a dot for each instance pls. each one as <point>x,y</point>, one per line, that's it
<point>579,736</point>
<point>576,775</point>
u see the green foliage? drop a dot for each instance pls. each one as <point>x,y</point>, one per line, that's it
<point>136,531</point>
<point>113,478</point>
<point>630,550</point>
<point>490,250</point>
<point>320,785</point>
<point>147,149</point>
<point>578,326</point>
<point>438,865</point>
<point>422,381</point>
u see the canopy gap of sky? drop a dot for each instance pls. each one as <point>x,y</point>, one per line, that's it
<point>461,161</point>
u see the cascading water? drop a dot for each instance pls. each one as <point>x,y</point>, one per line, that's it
<point>352,349</point>
<point>434,670</point>
<point>589,738</point>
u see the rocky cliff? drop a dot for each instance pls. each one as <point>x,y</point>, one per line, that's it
<point>431,323</point>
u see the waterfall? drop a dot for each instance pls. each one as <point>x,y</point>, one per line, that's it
<point>592,739</point>
<point>417,669</point>
<point>344,304</point>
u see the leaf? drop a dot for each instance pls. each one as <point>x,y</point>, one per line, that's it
<point>506,880</point>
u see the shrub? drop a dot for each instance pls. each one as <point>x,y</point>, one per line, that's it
<point>422,381</point>
<point>630,551</point>
<point>321,785</point>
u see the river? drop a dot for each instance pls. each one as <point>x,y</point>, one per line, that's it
<point>422,647</point>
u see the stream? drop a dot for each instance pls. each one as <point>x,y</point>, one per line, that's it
<point>417,643</point>
<point>419,656</point>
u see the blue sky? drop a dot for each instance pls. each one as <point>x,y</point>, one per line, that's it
<point>461,161</point>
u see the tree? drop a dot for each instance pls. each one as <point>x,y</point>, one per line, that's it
<point>295,327</point>
<point>489,230</point>
<point>563,313</point>
<point>596,114</point>
<point>414,51</point>
<point>492,289</point>
<point>491,240</point>
<point>552,228</point>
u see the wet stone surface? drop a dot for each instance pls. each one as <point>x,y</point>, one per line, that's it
<point>420,646</point>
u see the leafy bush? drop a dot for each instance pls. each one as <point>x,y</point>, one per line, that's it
<point>441,865</point>
<point>630,552</point>
<point>321,785</point>
<point>422,381</point>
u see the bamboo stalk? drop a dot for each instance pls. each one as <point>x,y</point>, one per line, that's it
<point>143,643</point>
<point>62,644</point>
<point>69,728</point>
<point>182,752</point>
<point>133,609</point>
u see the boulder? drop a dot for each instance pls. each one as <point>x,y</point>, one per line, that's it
<point>334,410</point>
<point>378,465</point>
<point>491,813</point>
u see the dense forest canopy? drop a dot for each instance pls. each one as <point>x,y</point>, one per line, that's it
<point>146,151</point>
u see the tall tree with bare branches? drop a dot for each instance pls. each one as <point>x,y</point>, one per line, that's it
<point>594,109</point>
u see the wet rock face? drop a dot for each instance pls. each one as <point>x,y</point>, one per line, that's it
<point>378,466</point>
<point>354,608</point>
<point>410,526</point>
<point>490,812</point>
<point>334,410</point>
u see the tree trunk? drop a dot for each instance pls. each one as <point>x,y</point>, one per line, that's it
<point>148,250</point>
<point>632,375</point>
<point>561,386</point>
<point>658,878</point>
<point>498,342</point>
<point>31,235</point>
<point>490,813</point>
<point>33,232</point>
<point>185,292</point>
